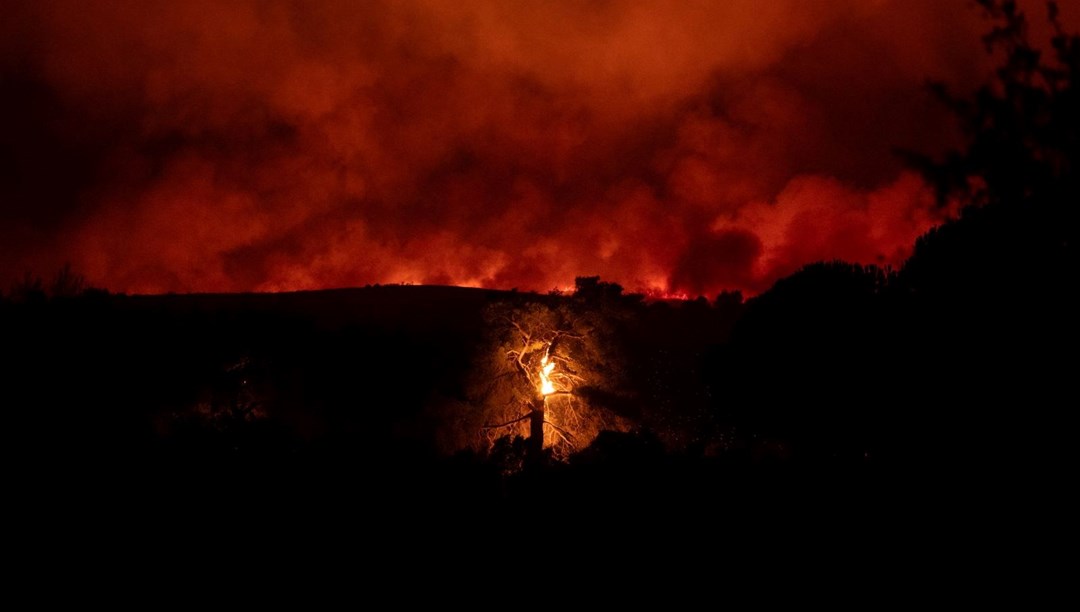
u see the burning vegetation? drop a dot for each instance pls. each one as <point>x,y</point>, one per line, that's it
<point>544,384</point>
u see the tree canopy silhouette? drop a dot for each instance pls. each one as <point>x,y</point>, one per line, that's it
<point>1016,175</point>
<point>1022,128</point>
<point>951,358</point>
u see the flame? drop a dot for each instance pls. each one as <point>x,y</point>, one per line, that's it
<point>546,386</point>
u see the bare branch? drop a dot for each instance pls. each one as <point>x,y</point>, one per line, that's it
<point>511,422</point>
<point>557,428</point>
<point>566,334</point>
<point>571,408</point>
<point>568,376</point>
<point>524,336</point>
<point>525,370</point>
<point>561,433</point>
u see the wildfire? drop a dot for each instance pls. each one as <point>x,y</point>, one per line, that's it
<point>546,386</point>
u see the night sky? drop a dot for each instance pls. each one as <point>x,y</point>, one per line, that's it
<point>678,147</point>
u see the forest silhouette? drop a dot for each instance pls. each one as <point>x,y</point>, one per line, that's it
<point>957,363</point>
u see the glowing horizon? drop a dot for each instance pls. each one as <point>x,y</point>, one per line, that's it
<point>676,149</point>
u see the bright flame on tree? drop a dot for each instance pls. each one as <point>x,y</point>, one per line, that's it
<point>546,386</point>
<point>550,354</point>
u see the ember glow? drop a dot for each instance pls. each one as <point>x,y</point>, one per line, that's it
<point>678,148</point>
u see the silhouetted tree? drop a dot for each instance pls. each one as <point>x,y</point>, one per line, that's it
<point>592,289</point>
<point>729,300</point>
<point>805,361</point>
<point>28,289</point>
<point>1022,130</point>
<point>987,294</point>
<point>66,283</point>
<point>1016,176</point>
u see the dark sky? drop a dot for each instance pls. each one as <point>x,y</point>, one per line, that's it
<point>684,147</point>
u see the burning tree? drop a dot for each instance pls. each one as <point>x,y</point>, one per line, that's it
<point>545,377</point>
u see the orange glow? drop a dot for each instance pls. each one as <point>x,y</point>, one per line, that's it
<point>259,145</point>
<point>657,294</point>
<point>546,367</point>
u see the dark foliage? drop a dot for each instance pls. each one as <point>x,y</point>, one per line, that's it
<point>955,359</point>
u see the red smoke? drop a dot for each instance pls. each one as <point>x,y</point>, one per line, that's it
<point>273,145</point>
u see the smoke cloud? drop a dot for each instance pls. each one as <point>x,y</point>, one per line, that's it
<point>272,145</point>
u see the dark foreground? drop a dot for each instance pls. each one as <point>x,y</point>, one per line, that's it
<point>327,430</point>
